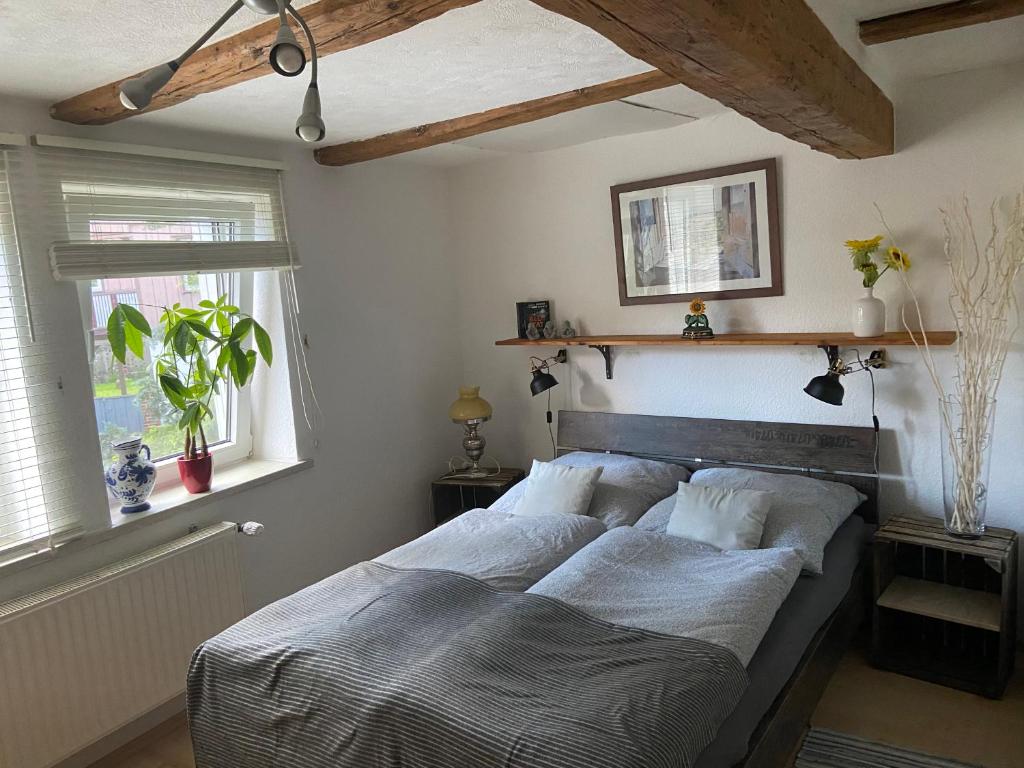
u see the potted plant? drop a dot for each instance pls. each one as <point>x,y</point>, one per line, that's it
<point>869,311</point>
<point>202,349</point>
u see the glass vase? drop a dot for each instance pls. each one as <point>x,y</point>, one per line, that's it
<point>966,457</point>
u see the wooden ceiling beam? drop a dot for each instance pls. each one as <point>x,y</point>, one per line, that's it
<point>482,122</point>
<point>337,25</point>
<point>774,62</point>
<point>937,18</point>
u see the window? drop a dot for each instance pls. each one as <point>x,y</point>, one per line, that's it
<point>127,398</point>
<point>153,231</point>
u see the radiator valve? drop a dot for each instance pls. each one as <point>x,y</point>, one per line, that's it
<point>251,528</point>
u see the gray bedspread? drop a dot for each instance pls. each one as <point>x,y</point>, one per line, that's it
<point>378,667</point>
<point>507,551</point>
<point>677,586</point>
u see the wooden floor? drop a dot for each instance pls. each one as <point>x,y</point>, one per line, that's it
<point>863,701</point>
<point>860,701</point>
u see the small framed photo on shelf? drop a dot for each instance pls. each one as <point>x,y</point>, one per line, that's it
<point>712,233</point>
<point>532,317</point>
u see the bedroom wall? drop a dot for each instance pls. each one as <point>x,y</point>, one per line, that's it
<point>376,302</point>
<point>540,227</point>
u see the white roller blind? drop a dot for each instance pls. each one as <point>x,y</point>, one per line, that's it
<point>37,476</point>
<point>112,214</point>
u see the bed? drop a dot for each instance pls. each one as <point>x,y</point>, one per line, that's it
<point>490,677</point>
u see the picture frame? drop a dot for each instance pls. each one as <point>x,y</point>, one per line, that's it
<point>712,234</point>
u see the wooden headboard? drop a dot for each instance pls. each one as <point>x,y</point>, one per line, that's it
<point>841,454</point>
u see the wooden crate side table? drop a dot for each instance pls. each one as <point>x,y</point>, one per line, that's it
<point>451,495</point>
<point>945,609</point>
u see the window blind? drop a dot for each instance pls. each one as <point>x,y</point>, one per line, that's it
<point>112,214</point>
<point>41,497</point>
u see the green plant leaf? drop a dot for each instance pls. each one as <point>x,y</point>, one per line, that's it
<point>223,323</point>
<point>182,339</point>
<point>133,339</point>
<point>263,343</point>
<point>241,329</point>
<point>208,304</point>
<point>136,319</point>
<point>200,327</point>
<point>115,333</point>
<point>174,390</point>
<point>239,364</point>
<point>189,416</point>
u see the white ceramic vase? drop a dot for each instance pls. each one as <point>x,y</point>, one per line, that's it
<point>868,315</point>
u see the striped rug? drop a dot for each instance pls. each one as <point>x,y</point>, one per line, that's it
<point>828,749</point>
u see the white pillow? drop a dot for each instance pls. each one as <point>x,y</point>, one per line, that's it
<point>552,489</point>
<point>722,517</point>
<point>805,513</point>
<point>627,488</point>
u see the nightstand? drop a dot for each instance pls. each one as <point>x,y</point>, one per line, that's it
<point>945,609</point>
<point>450,496</point>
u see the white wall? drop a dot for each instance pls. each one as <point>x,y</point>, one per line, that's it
<point>540,226</point>
<point>377,307</point>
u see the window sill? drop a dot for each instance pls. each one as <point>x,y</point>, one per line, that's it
<point>228,481</point>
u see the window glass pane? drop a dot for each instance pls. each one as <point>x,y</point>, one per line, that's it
<point>127,397</point>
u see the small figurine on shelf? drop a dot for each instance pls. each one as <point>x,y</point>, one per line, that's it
<point>532,332</point>
<point>550,331</point>
<point>568,332</point>
<point>697,326</point>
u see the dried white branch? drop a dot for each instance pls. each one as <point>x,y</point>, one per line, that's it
<point>986,316</point>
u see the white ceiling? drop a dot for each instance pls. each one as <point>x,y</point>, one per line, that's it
<point>915,58</point>
<point>491,54</point>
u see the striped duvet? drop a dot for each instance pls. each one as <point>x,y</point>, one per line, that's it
<point>378,667</point>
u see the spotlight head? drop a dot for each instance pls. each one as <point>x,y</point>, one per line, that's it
<point>266,7</point>
<point>286,55</point>
<point>310,125</point>
<point>139,91</point>
<point>826,388</point>
<point>542,381</point>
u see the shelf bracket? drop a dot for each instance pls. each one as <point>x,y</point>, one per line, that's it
<point>606,353</point>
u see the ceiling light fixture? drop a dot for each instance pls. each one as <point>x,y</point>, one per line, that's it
<point>286,57</point>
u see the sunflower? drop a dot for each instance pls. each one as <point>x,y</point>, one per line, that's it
<point>865,246</point>
<point>897,259</point>
<point>697,307</point>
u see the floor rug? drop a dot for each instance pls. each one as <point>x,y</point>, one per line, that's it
<point>828,749</point>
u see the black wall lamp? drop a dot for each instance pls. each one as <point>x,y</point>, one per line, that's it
<point>543,381</point>
<point>540,368</point>
<point>827,387</point>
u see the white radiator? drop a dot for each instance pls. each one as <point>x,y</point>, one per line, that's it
<point>81,659</point>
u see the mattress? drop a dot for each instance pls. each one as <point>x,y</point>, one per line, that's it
<point>809,604</point>
<point>508,552</point>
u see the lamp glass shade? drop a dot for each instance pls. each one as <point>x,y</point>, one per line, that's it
<point>286,55</point>
<point>310,125</point>
<point>469,407</point>
<point>139,91</point>
<point>826,388</point>
<point>542,382</point>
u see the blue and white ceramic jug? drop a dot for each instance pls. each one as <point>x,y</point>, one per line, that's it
<point>130,478</point>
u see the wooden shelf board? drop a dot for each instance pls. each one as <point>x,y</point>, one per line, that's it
<point>970,607</point>
<point>895,338</point>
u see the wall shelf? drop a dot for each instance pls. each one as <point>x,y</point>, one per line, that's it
<point>604,344</point>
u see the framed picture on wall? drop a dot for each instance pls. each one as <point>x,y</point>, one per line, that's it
<point>712,233</point>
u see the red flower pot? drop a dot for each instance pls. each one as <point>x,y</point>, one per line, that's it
<point>196,474</point>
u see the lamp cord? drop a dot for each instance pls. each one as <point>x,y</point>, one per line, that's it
<point>551,433</point>
<point>874,416</point>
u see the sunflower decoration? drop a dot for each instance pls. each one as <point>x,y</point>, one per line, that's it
<point>896,258</point>
<point>697,325</point>
<point>862,254</point>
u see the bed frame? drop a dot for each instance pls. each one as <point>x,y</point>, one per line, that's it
<point>825,452</point>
